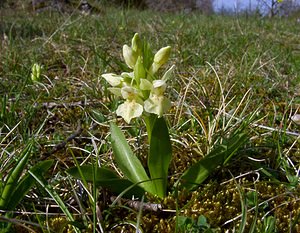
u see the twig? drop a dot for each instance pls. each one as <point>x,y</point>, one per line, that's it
<point>62,144</point>
<point>50,105</point>
<point>21,223</point>
<point>137,205</point>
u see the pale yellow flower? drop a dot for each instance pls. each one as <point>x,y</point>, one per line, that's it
<point>132,107</point>
<point>157,103</point>
<point>129,110</point>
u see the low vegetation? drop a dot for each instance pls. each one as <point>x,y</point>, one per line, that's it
<point>234,78</point>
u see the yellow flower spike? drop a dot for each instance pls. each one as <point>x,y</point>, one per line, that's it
<point>130,56</point>
<point>140,88</point>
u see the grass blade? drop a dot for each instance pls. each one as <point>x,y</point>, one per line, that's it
<point>55,197</point>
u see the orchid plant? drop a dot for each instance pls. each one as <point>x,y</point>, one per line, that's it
<point>143,92</point>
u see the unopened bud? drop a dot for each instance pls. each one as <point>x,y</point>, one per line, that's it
<point>35,72</point>
<point>162,56</point>
<point>136,43</point>
<point>130,56</point>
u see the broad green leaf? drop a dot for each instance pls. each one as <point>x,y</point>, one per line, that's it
<point>27,182</point>
<point>129,164</point>
<point>105,177</point>
<point>221,154</point>
<point>160,156</point>
<point>14,176</point>
<point>197,173</point>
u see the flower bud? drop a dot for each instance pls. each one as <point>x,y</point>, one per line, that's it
<point>162,56</point>
<point>130,56</point>
<point>136,43</point>
<point>35,72</point>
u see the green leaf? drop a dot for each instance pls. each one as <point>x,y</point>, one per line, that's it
<point>160,156</point>
<point>183,222</point>
<point>197,173</point>
<point>221,154</point>
<point>202,222</point>
<point>105,177</point>
<point>269,224</point>
<point>27,182</point>
<point>14,176</point>
<point>129,164</point>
